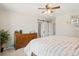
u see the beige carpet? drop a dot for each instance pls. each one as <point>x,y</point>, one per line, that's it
<point>12,52</point>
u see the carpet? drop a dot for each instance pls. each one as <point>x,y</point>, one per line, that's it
<point>12,52</point>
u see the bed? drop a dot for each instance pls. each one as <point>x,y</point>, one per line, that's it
<point>53,46</point>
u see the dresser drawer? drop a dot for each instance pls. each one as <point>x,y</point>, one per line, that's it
<point>21,40</point>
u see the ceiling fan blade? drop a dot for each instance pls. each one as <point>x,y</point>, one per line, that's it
<point>56,7</point>
<point>41,8</point>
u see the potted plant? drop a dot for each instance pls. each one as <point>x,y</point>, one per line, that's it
<point>4,36</point>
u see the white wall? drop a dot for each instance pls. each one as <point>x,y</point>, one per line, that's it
<point>12,21</point>
<point>63,26</point>
<point>15,21</point>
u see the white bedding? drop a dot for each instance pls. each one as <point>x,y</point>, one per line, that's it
<point>53,46</point>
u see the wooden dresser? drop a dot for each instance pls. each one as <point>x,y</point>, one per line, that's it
<point>21,40</point>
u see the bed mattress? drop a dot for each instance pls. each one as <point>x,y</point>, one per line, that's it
<point>53,46</point>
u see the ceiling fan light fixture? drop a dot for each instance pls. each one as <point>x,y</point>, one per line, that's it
<point>49,6</point>
<point>48,11</point>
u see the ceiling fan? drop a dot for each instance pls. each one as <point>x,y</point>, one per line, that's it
<point>49,8</point>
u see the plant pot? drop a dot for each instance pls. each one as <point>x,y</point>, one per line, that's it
<point>3,46</point>
<point>2,49</point>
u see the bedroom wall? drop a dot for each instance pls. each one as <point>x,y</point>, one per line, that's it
<point>12,21</point>
<point>5,22</point>
<point>63,26</point>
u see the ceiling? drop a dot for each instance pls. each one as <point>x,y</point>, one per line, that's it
<point>32,8</point>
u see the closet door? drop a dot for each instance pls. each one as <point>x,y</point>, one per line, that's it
<point>52,28</point>
<point>39,29</point>
<point>44,29</point>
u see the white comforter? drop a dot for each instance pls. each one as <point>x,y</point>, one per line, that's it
<point>53,46</point>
